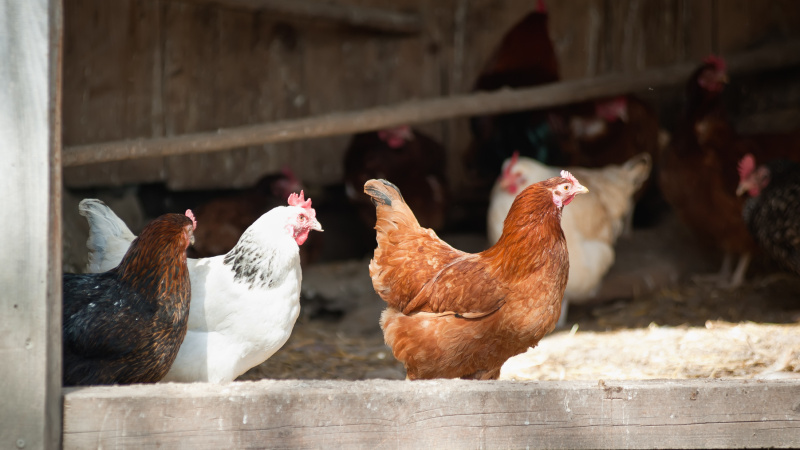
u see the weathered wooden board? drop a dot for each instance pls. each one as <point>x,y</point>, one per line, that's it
<point>423,110</point>
<point>30,244</point>
<point>160,68</point>
<point>436,414</point>
<point>374,19</point>
<point>112,76</point>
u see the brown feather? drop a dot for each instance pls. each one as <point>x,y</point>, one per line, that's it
<point>452,314</point>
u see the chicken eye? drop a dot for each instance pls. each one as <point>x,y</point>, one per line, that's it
<point>302,217</point>
<point>566,187</point>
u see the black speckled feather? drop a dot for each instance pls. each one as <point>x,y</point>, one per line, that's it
<point>252,264</point>
<point>773,217</point>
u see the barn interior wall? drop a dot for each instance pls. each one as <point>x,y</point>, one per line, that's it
<point>151,68</point>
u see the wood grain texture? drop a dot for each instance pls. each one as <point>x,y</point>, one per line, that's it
<point>110,91</point>
<point>420,111</point>
<point>163,68</point>
<point>374,19</point>
<point>30,260</point>
<point>436,414</point>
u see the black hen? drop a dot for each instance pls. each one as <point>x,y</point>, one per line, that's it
<point>126,325</point>
<point>771,213</point>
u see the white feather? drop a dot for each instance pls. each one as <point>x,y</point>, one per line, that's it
<point>591,223</point>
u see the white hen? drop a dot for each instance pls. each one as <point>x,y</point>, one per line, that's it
<point>244,303</point>
<point>591,224</point>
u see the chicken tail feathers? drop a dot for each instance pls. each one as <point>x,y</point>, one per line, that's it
<point>389,203</point>
<point>109,237</point>
<point>638,169</point>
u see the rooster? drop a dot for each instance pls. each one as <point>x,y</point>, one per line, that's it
<point>459,315</point>
<point>771,213</point>
<point>126,325</point>
<point>244,303</point>
<point>591,225</point>
<point>416,163</point>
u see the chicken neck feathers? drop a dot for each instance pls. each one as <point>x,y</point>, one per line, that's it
<point>126,325</point>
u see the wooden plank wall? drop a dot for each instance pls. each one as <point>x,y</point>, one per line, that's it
<point>30,235</point>
<point>146,68</point>
<point>378,414</point>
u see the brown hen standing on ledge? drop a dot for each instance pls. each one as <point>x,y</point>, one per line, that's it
<point>453,314</point>
<point>126,325</point>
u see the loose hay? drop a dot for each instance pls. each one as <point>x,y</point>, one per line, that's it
<point>720,349</point>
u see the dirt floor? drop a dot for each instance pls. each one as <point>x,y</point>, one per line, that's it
<point>651,319</point>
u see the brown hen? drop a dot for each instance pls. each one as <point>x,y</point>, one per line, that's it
<point>453,314</point>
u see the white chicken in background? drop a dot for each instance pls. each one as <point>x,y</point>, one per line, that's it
<point>591,224</point>
<point>244,303</point>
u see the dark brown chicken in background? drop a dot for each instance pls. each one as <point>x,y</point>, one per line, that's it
<point>126,325</point>
<point>524,58</point>
<point>590,134</point>
<point>698,173</point>
<point>414,161</point>
<point>226,214</point>
<point>453,314</point>
<point>610,131</point>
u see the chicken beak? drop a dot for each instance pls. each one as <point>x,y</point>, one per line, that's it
<point>191,240</point>
<point>741,189</point>
<point>316,225</point>
<point>581,190</point>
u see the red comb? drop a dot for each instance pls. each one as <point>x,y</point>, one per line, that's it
<point>746,166</point>
<point>570,177</point>
<point>191,216</point>
<point>716,61</point>
<point>299,200</point>
<point>511,164</point>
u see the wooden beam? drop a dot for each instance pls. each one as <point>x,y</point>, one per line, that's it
<point>419,111</point>
<point>30,260</point>
<point>355,16</point>
<point>379,414</point>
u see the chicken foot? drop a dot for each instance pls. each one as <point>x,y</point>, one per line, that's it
<point>726,278</point>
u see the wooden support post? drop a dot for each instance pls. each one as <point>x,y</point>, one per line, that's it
<point>355,16</point>
<point>419,111</point>
<point>378,414</point>
<point>30,225</point>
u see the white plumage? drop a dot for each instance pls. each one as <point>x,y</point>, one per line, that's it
<point>244,303</point>
<point>592,222</point>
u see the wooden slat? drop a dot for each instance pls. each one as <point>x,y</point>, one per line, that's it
<point>355,16</point>
<point>30,256</point>
<point>112,82</point>
<point>379,414</point>
<point>421,111</point>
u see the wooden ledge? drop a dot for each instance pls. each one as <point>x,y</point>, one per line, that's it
<point>436,414</point>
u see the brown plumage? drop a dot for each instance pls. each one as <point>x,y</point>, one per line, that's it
<point>126,325</point>
<point>698,173</point>
<point>612,131</point>
<point>408,157</point>
<point>453,314</point>
<point>525,57</point>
